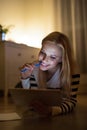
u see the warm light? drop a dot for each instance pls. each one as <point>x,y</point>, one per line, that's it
<point>35,25</point>
<point>33,37</point>
<point>31,20</point>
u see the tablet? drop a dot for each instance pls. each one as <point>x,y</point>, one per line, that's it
<point>24,97</point>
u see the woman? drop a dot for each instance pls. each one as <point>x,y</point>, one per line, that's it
<point>57,70</point>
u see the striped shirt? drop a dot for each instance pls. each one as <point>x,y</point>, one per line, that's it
<point>67,105</point>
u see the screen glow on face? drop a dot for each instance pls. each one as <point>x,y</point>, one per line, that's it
<point>50,55</point>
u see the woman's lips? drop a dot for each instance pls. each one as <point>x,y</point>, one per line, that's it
<point>44,65</point>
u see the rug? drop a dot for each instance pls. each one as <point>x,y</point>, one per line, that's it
<point>9,116</point>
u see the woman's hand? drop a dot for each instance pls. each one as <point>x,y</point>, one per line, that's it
<point>41,108</point>
<point>26,70</point>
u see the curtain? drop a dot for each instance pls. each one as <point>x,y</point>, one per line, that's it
<point>71,19</point>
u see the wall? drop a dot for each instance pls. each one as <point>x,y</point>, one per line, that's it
<point>31,20</point>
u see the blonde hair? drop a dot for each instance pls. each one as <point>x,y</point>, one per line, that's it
<point>67,64</point>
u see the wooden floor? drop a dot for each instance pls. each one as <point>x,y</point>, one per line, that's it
<point>74,121</point>
<point>7,105</point>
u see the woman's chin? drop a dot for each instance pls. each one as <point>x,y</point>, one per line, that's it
<point>43,68</point>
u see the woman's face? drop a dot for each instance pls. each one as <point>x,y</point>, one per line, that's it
<point>50,55</point>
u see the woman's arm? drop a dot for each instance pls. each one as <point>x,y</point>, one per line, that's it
<point>25,83</point>
<point>68,105</point>
<point>29,82</point>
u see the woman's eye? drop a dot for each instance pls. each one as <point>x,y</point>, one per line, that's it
<point>53,58</point>
<point>42,53</point>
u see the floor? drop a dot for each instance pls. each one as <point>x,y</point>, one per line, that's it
<point>74,121</point>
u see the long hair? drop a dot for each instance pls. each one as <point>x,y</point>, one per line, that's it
<point>67,64</point>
